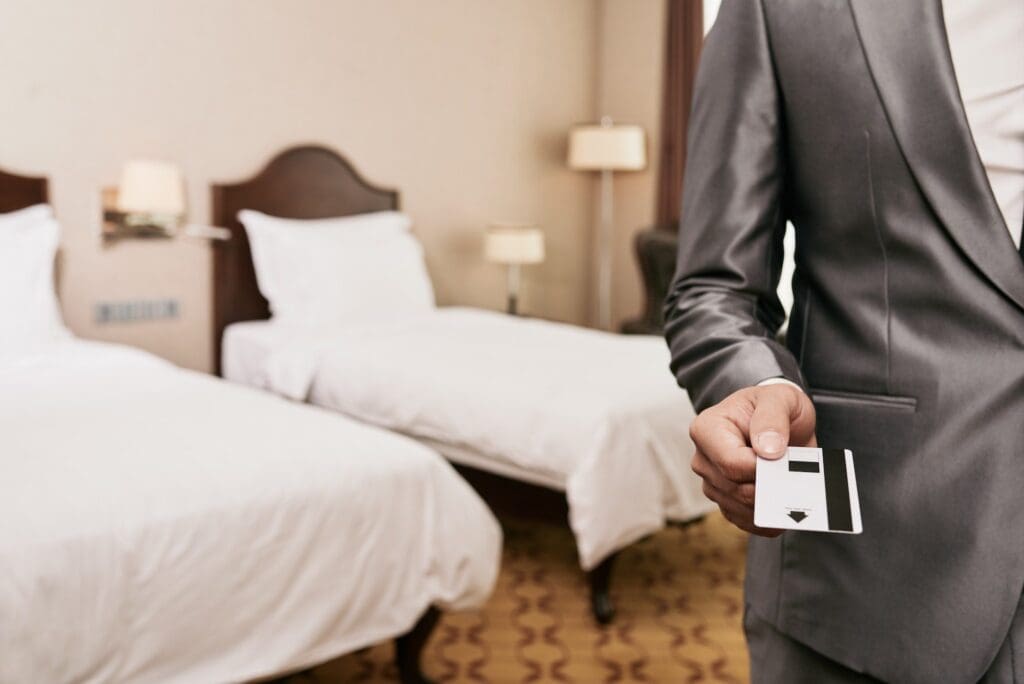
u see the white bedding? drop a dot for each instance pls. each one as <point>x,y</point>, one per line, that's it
<point>596,414</point>
<point>159,525</point>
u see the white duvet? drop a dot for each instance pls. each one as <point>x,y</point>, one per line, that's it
<point>594,413</point>
<point>162,526</point>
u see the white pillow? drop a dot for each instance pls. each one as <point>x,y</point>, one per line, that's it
<point>340,269</point>
<point>25,219</point>
<point>29,314</point>
<point>373,224</point>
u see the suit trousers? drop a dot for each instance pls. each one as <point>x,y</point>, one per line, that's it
<point>776,658</point>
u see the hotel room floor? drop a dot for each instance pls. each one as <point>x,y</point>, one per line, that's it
<point>679,600</point>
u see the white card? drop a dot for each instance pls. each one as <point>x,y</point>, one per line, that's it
<point>814,490</point>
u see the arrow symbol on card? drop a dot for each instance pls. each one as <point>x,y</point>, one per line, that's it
<point>797,515</point>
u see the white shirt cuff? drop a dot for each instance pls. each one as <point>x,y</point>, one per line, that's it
<point>779,381</point>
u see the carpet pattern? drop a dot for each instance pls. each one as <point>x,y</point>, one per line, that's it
<point>679,601</point>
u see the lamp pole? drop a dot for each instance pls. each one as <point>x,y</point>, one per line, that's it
<point>604,252</point>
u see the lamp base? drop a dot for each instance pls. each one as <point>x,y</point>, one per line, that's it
<point>513,289</point>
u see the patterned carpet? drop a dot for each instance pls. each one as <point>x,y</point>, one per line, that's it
<point>679,601</point>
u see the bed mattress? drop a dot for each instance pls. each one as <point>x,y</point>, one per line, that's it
<point>595,414</point>
<point>160,525</point>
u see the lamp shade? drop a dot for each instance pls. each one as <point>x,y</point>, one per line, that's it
<point>514,244</point>
<point>151,187</point>
<point>607,147</point>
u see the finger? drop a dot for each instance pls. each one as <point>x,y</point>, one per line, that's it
<point>709,472</point>
<point>775,408</point>
<point>744,493</point>
<point>729,503</point>
<point>737,513</point>
<point>724,445</point>
<point>706,470</point>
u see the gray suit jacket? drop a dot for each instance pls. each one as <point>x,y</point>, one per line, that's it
<point>844,117</point>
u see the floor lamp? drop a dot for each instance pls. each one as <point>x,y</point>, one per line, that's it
<point>606,147</point>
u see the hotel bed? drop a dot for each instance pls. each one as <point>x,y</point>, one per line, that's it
<point>595,415</point>
<point>163,525</point>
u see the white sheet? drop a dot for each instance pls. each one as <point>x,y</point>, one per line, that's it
<point>596,414</point>
<point>162,526</point>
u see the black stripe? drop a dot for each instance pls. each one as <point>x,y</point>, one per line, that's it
<point>803,466</point>
<point>837,490</point>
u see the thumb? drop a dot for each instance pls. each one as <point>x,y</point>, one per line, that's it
<point>776,407</point>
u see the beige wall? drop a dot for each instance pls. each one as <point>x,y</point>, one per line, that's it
<point>461,104</point>
<point>631,55</point>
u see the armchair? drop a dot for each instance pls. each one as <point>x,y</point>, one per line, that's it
<point>656,255</point>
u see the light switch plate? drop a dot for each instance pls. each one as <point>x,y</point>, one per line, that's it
<point>136,310</point>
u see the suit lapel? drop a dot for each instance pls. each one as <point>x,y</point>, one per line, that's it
<point>907,52</point>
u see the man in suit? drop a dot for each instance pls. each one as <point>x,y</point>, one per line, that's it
<point>891,134</point>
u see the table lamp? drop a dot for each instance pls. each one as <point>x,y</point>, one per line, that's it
<point>606,147</point>
<point>514,245</point>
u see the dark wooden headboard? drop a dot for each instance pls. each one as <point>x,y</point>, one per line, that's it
<point>18,192</point>
<point>306,182</point>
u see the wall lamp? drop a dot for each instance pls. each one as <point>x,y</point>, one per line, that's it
<point>149,202</point>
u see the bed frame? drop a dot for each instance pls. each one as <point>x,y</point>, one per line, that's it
<point>310,182</point>
<point>305,182</point>
<point>18,192</point>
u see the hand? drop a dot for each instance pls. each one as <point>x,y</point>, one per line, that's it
<point>760,420</point>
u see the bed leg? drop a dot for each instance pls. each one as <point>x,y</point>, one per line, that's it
<point>409,648</point>
<point>600,599</point>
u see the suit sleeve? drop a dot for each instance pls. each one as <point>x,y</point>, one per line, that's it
<point>722,311</point>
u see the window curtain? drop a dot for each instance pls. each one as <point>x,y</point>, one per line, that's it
<point>684,37</point>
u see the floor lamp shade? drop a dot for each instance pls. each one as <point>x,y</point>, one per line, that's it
<point>607,148</point>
